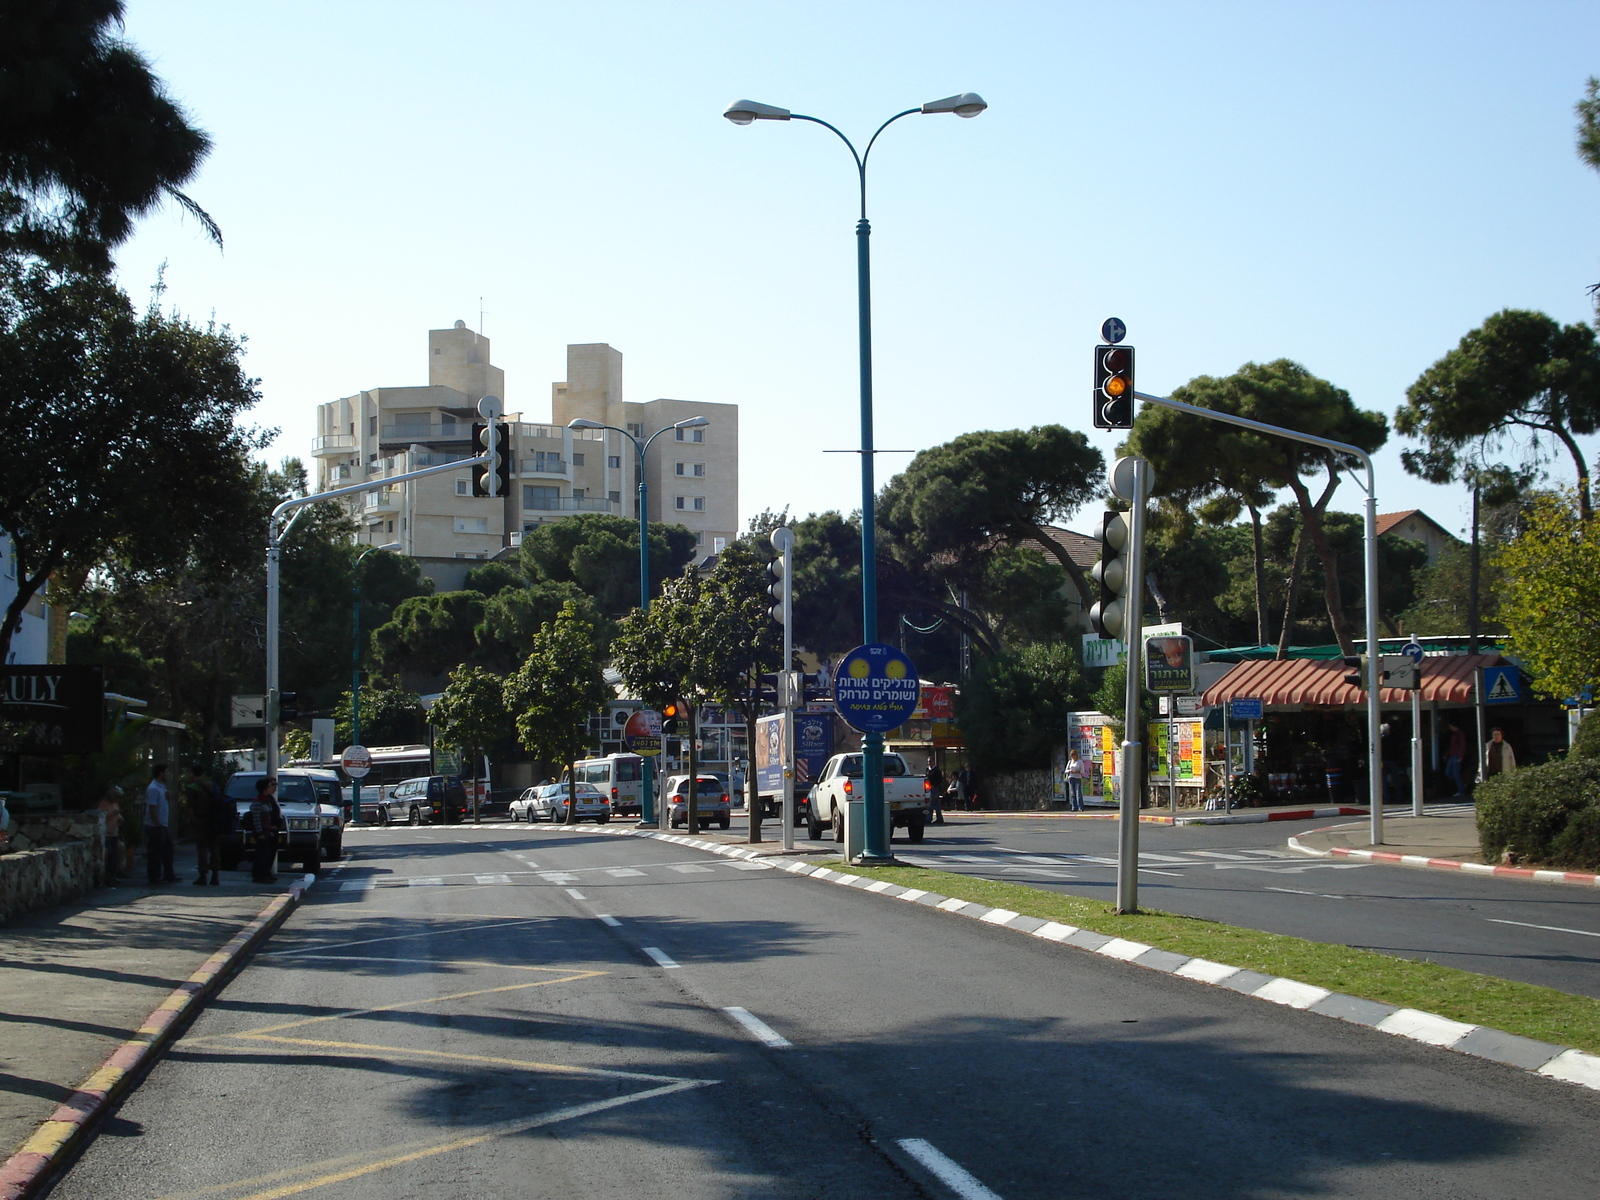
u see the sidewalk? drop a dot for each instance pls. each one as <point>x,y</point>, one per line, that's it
<point>80,981</point>
<point>1445,841</point>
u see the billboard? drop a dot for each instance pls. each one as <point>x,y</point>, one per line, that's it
<point>52,709</point>
<point>769,754</point>
<point>1169,665</point>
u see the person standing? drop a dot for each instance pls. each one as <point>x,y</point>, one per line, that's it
<point>964,789</point>
<point>1498,757</point>
<point>934,784</point>
<point>264,823</point>
<point>211,817</point>
<point>158,828</point>
<point>111,805</point>
<point>1455,753</point>
<point>1075,775</point>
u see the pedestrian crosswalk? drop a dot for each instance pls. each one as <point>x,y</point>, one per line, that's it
<point>657,871</point>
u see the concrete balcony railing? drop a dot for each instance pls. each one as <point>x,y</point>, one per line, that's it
<point>570,504</point>
<point>334,445</point>
<point>547,467</point>
<point>434,431</point>
<point>383,500</point>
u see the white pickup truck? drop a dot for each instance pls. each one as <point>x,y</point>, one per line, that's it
<point>905,796</point>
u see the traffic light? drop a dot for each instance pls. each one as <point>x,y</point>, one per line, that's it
<point>1111,573</point>
<point>282,706</point>
<point>670,712</point>
<point>778,589</point>
<point>1358,673</point>
<point>1113,387</point>
<point>493,479</point>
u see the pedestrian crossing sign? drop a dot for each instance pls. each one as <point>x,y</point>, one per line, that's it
<point>1500,685</point>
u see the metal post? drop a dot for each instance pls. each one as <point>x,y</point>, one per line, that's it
<point>1172,755</point>
<point>355,691</point>
<point>273,550</point>
<point>782,539</point>
<point>875,848</point>
<point>647,770</point>
<point>1132,746</point>
<point>1227,760</point>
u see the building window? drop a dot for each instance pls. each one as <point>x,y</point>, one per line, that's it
<point>680,502</point>
<point>695,470</point>
<point>697,434</point>
<point>614,462</point>
<point>372,426</point>
<point>615,497</point>
<point>469,554</point>
<point>636,429</point>
<point>699,504</point>
<point>391,528</point>
<point>461,488</point>
<point>579,493</point>
<point>549,462</point>
<point>352,429</point>
<point>545,499</point>
<point>472,524</point>
<point>577,459</point>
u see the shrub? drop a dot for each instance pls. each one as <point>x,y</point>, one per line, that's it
<point>1543,813</point>
<point>1586,743</point>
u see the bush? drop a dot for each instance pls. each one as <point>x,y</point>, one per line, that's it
<point>1544,814</point>
<point>1586,743</point>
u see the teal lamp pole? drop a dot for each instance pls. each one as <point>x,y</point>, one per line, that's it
<point>743,112</point>
<point>647,792</point>
<point>355,673</point>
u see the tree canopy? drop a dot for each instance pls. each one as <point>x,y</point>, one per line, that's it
<point>1551,603</point>
<point>555,690</point>
<point>599,552</point>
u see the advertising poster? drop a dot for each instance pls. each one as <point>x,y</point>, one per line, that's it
<point>813,745</point>
<point>1169,665</point>
<point>769,754</point>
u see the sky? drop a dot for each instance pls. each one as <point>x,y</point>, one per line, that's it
<point>1353,186</point>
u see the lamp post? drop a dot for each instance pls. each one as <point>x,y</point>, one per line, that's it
<point>647,798</point>
<point>743,112</point>
<point>355,672</point>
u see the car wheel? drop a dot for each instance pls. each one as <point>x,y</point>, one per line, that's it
<point>383,816</point>
<point>312,863</point>
<point>813,826</point>
<point>838,826</point>
<point>416,816</point>
<point>334,851</point>
<point>914,829</point>
<point>727,819</point>
<point>602,820</point>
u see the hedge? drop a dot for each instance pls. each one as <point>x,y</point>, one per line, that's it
<point>1548,814</point>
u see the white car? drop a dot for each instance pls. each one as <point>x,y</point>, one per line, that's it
<point>548,802</point>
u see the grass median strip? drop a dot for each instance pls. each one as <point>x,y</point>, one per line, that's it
<point>1525,1009</point>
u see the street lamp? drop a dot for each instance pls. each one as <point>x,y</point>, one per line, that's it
<point>647,800</point>
<point>355,672</point>
<point>743,112</point>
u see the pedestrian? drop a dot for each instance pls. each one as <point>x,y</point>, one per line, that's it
<point>934,784</point>
<point>1498,757</point>
<point>1075,775</point>
<point>264,823</point>
<point>111,805</point>
<point>158,828</point>
<point>211,818</point>
<point>1455,753</point>
<point>964,789</point>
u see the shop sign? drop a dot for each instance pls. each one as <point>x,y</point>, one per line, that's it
<point>1102,652</point>
<point>53,709</point>
<point>1245,708</point>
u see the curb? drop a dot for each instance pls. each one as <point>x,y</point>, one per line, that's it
<point>25,1172</point>
<point>1480,1041</point>
<point>1581,878</point>
<point>1255,818</point>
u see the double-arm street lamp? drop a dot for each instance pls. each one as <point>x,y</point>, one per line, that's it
<point>647,801</point>
<point>743,112</point>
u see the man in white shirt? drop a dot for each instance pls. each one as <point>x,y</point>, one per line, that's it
<point>158,828</point>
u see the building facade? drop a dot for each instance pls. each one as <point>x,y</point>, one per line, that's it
<point>692,475</point>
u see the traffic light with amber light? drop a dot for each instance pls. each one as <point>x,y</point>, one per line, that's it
<point>670,712</point>
<point>1357,678</point>
<point>1113,387</point>
<point>1111,573</point>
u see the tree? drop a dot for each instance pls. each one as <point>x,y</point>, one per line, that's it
<point>1588,110</point>
<point>513,615</point>
<point>91,140</point>
<point>429,636</point>
<point>1518,371</point>
<point>121,434</point>
<point>390,715</point>
<point>472,714</point>
<point>1551,604</point>
<point>1013,708</point>
<point>552,694</point>
<point>599,553</point>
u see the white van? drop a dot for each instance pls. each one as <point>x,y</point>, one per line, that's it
<point>617,776</point>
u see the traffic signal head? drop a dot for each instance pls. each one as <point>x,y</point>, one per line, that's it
<point>779,589</point>
<point>1113,387</point>
<point>493,478</point>
<point>502,458</point>
<point>1357,678</point>
<point>1111,573</point>
<point>288,706</point>
<point>670,712</point>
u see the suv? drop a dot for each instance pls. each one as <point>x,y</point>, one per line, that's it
<point>313,810</point>
<point>711,801</point>
<point>440,799</point>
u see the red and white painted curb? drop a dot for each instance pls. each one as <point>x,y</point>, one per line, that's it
<point>1581,878</point>
<point>26,1171</point>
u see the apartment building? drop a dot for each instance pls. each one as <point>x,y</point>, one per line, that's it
<point>692,475</point>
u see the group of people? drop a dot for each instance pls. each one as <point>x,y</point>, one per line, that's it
<point>212,817</point>
<point>957,789</point>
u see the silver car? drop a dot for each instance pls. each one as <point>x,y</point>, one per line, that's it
<point>548,802</point>
<point>711,801</point>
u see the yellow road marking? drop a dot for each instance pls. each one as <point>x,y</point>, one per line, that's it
<point>406,937</point>
<point>488,1060</point>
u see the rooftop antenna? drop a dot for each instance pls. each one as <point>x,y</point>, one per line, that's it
<point>480,316</point>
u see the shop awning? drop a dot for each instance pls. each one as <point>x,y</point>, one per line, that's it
<point>1306,683</point>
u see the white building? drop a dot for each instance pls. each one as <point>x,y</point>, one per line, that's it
<point>31,643</point>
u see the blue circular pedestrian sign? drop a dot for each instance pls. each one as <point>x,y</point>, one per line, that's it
<point>875,688</point>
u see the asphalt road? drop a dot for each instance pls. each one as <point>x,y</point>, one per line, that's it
<point>514,1012</point>
<point>1245,875</point>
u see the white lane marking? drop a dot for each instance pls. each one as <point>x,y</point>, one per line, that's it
<point>947,1171</point>
<point>765,1034</point>
<point>964,858</point>
<point>1165,858</point>
<point>576,894</point>
<point>427,881</point>
<point>751,866</point>
<point>1038,871</point>
<point>1219,854</point>
<point>622,872</point>
<point>358,885</point>
<point>687,869</point>
<point>492,878</point>
<point>609,920</point>
<point>1288,870</point>
<point>1039,858</point>
<point>1153,871</point>
<point>661,959</point>
<point>558,877</point>
<point>1298,892</point>
<point>1090,858</point>
<point>1551,928</point>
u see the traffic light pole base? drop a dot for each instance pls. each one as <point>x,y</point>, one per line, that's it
<point>648,825</point>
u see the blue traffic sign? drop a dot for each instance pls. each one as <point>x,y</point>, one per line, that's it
<point>1244,709</point>
<point>875,688</point>
<point>1113,330</point>
<point>1413,651</point>
<point>1501,685</point>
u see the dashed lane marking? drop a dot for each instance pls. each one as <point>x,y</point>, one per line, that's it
<point>1551,928</point>
<point>947,1171</point>
<point>609,920</point>
<point>689,869</point>
<point>576,894</point>
<point>622,872</point>
<point>764,1033</point>
<point>660,957</point>
<point>491,879</point>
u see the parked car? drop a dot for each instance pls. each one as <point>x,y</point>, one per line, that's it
<point>711,801</point>
<point>312,802</point>
<point>548,802</point>
<point>436,799</point>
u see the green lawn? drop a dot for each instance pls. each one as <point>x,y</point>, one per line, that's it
<point>1520,1008</point>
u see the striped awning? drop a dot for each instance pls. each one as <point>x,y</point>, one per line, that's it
<point>1307,683</point>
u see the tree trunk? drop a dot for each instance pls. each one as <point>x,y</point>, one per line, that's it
<point>1260,565</point>
<point>1292,601</point>
<point>1472,585</point>
<point>1311,516</point>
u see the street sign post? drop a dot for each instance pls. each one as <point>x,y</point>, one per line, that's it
<point>875,688</point>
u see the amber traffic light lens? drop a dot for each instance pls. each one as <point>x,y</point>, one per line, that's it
<point>1116,385</point>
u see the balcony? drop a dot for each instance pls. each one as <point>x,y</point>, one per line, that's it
<point>543,466</point>
<point>569,504</point>
<point>334,445</point>
<point>384,500</point>
<point>433,431</point>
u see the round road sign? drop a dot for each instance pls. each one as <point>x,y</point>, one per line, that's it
<point>1113,330</point>
<point>642,733</point>
<point>1413,651</point>
<point>356,761</point>
<point>875,688</point>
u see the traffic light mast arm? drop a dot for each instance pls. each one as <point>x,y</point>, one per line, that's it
<point>1370,545</point>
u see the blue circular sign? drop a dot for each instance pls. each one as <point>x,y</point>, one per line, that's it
<point>1113,330</point>
<point>875,688</point>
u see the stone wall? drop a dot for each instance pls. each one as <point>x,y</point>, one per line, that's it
<point>53,859</point>
<point>1017,789</point>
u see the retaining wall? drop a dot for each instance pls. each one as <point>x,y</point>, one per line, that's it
<point>54,859</point>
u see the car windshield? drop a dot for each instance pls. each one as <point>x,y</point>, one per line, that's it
<point>296,788</point>
<point>893,765</point>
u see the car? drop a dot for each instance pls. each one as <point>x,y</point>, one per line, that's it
<point>548,802</point>
<point>711,801</point>
<point>313,809</point>
<point>438,799</point>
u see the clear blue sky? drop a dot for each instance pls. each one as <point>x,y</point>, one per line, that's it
<point>1350,185</point>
